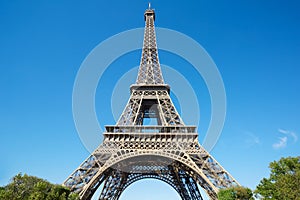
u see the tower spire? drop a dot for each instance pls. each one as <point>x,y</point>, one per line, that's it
<point>149,70</point>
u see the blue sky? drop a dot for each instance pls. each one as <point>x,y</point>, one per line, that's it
<point>255,45</point>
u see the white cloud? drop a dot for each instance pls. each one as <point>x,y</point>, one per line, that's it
<point>294,136</point>
<point>254,139</point>
<point>281,143</point>
<point>283,131</point>
<point>251,139</point>
<point>289,133</point>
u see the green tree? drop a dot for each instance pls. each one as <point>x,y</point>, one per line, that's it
<point>284,180</point>
<point>24,187</point>
<point>235,193</point>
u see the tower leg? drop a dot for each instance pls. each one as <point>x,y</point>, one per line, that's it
<point>113,185</point>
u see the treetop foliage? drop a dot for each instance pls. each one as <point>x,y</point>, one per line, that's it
<point>235,193</point>
<point>284,180</point>
<point>25,187</point>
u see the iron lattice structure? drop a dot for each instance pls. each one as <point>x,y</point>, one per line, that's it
<point>168,151</point>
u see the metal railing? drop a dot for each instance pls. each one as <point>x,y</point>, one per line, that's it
<point>150,129</point>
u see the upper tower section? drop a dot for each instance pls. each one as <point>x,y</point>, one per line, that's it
<point>149,12</point>
<point>149,70</point>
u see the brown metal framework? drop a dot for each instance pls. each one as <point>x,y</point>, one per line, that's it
<point>168,151</point>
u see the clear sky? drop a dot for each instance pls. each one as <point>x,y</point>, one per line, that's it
<point>255,44</point>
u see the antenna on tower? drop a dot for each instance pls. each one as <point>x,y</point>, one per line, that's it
<point>149,5</point>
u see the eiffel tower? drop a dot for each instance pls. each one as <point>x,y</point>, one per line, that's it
<point>168,151</point>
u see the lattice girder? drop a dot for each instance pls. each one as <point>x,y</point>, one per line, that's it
<point>168,176</point>
<point>156,99</point>
<point>149,70</point>
<point>127,152</point>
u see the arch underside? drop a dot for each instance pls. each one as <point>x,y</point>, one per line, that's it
<point>115,179</point>
<point>115,169</point>
<point>174,175</point>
